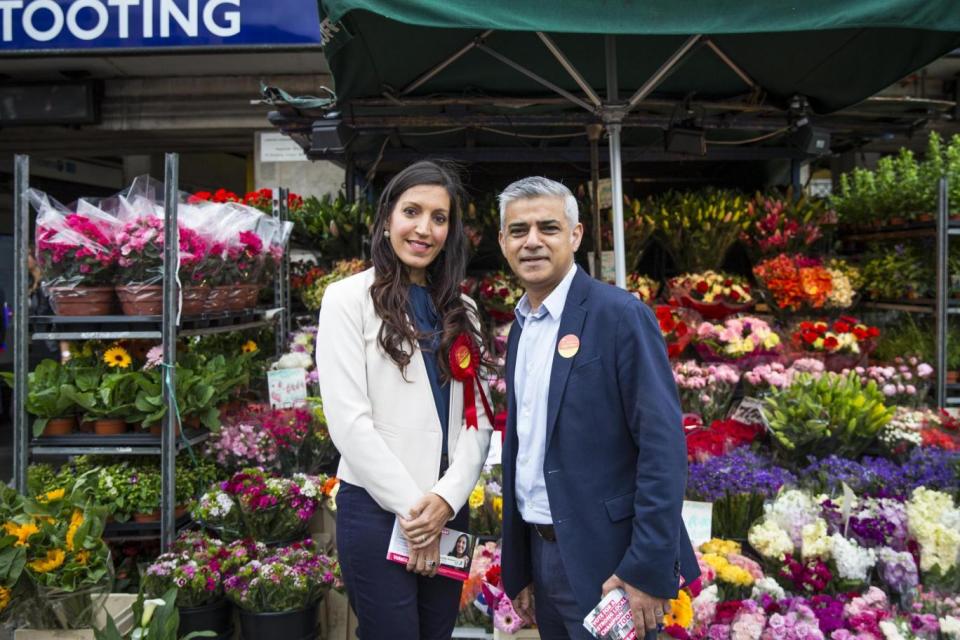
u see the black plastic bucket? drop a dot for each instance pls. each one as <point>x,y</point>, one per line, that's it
<point>216,616</point>
<point>301,624</point>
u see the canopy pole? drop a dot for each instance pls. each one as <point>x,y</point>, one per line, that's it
<point>733,65</point>
<point>572,70</point>
<point>613,117</point>
<point>594,131</point>
<point>535,77</point>
<point>663,72</point>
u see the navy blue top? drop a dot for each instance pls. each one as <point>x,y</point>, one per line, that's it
<point>428,321</point>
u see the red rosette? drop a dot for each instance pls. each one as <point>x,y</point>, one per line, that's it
<point>464,367</point>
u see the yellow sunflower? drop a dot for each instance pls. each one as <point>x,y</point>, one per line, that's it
<point>51,561</point>
<point>249,347</point>
<point>117,357</point>
<point>681,612</point>
<point>476,498</point>
<point>51,496</point>
<point>82,557</point>
<point>21,531</point>
<point>76,520</point>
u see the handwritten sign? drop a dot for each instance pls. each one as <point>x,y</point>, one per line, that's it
<point>288,387</point>
<point>750,411</point>
<point>698,518</point>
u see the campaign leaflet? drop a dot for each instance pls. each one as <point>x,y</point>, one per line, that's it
<point>456,551</point>
<point>612,618</point>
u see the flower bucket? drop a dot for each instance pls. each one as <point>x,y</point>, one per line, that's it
<point>141,299</point>
<point>300,624</point>
<point>60,426</point>
<point>82,301</point>
<point>86,426</point>
<point>194,300</point>
<point>216,616</point>
<point>109,426</point>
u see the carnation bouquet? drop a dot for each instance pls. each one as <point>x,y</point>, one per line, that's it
<point>290,578</point>
<point>713,294</point>
<point>745,341</point>
<point>705,390</point>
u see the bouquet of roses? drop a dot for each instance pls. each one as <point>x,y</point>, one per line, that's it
<point>792,282</point>
<point>275,509</point>
<point>677,327</point>
<point>843,343</point>
<point>499,295</point>
<point>284,579</point>
<point>712,294</point>
<point>745,341</point>
<point>193,568</point>
<point>705,390</point>
<point>644,286</point>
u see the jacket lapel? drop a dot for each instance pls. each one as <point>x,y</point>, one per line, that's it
<point>512,343</point>
<point>571,322</point>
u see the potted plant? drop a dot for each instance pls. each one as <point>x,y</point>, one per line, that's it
<point>77,257</point>
<point>193,569</point>
<point>51,397</point>
<point>143,494</point>
<point>904,273</point>
<point>278,591</point>
<point>155,618</point>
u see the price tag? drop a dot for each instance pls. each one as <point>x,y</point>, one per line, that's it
<point>750,411</point>
<point>288,387</point>
<point>698,518</point>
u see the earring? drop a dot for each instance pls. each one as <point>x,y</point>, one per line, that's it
<point>386,233</point>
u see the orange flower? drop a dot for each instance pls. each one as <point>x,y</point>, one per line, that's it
<point>817,285</point>
<point>330,484</point>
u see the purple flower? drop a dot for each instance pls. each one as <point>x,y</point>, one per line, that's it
<point>739,472</point>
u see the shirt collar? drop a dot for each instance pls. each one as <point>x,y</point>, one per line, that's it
<point>553,304</point>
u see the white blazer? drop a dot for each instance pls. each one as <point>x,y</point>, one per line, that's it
<point>386,428</point>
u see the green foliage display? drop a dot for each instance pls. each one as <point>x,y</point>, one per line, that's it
<point>897,272</point>
<point>332,226</point>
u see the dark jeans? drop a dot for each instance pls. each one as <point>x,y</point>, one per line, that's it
<point>389,601</point>
<point>559,616</point>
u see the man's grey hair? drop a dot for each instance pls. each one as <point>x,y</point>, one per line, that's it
<point>537,187</point>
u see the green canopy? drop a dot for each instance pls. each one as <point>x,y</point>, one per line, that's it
<point>836,53</point>
<point>543,69</point>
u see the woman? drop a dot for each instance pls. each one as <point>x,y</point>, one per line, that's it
<point>460,548</point>
<point>395,410</point>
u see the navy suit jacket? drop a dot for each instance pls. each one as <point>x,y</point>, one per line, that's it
<point>616,460</point>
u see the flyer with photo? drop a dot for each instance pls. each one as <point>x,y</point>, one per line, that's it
<point>612,619</point>
<point>456,551</point>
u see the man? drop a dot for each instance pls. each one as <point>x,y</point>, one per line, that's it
<point>594,462</point>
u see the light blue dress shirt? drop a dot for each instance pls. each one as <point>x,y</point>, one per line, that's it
<point>531,387</point>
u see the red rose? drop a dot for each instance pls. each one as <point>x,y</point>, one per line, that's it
<point>493,575</point>
<point>810,337</point>
<point>702,287</point>
<point>841,327</point>
<point>681,329</point>
<point>820,327</point>
<point>728,282</point>
<point>806,325</point>
<point>873,332</point>
<point>830,343</point>
<point>859,333</point>
<point>504,292</point>
<point>734,295</point>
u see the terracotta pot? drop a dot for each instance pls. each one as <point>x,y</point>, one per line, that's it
<point>195,300</point>
<point>180,511</point>
<point>86,426</point>
<point>82,301</point>
<point>217,299</point>
<point>925,217</point>
<point>141,299</point>
<point>60,426</point>
<point>153,516</point>
<point>157,429</point>
<point>109,426</point>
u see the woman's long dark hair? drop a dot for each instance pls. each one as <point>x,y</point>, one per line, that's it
<point>390,289</point>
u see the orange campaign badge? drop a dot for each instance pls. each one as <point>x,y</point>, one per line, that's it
<point>568,346</point>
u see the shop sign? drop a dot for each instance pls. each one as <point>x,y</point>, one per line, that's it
<point>43,25</point>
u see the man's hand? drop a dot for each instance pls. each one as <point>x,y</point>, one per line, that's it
<point>426,521</point>
<point>523,605</point>
<point>647,610</point>
<point>425,561</point>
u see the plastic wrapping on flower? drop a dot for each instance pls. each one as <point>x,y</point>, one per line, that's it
<point>75,252</point>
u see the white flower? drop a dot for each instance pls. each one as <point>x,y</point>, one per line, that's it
<point>950,626</point>
<point>294,361</point>
<point>767,586</point>
<point>853,561</point>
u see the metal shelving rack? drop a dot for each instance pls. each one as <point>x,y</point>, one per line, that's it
<point>163,327</point>
<point>941,306</point>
